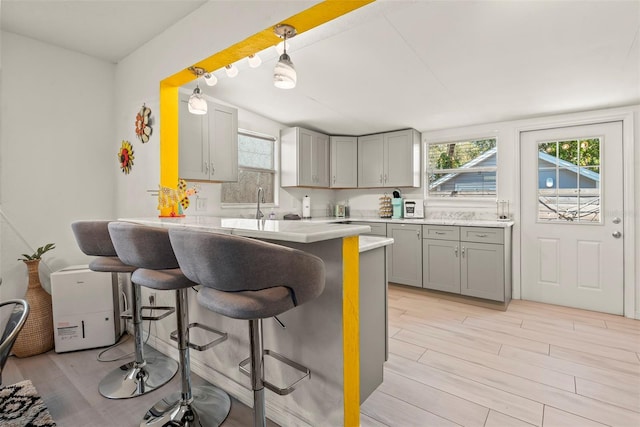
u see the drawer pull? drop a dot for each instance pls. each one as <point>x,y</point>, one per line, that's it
<point>440,233</point>
<point>481,235</point>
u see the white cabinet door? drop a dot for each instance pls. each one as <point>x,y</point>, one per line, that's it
<point>208,144</point>
<point>304,158</point>
<point>441,265</point>
<point>344,162</point>
<point>399,157</point>
<point>405,255</point>
<point>370,160</point>
<point>320,165</point>
<point>193,159</point>
<point>223,143</point>
<point>482,269</point>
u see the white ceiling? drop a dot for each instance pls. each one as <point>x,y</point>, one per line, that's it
<point>398,64</point>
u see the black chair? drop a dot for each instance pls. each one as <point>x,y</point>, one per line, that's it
<point>250,279</point>
<point>16,312</point>
<point>148,371</point>
<point>149,249</point>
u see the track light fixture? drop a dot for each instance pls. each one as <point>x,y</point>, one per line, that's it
<point>210,79</point>
<point>284,73</point>
<point>231,70</point>
<point>254,61</point>
<point>197,104</point>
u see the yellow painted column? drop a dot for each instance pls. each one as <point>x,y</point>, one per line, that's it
<point>169,104</point>
<point>351,329</point>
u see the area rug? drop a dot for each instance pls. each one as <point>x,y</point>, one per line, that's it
<point>20,406</point>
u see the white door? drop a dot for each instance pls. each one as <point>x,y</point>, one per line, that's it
<point>572,216</point>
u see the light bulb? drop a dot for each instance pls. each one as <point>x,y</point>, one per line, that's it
<point>197,104</point>
<point>284,73</point>
<point>231,70</point>
<point>254,61</point>
<point>210,79</point>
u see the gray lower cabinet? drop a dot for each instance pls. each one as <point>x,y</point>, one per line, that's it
<point>472,261</point>
<point>405,255</point>
<point>377,228</point>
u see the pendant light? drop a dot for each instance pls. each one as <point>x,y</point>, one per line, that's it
<point>284,73</point>
<point>210,79</point>
<point>231,70</point>
<point>197,104</point>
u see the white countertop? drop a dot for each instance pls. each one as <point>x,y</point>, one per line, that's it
<point>368,243</point>
<point>289,231</point>
<point>424,221</point>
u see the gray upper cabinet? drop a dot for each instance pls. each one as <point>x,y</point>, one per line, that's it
<point>390,159</point>
<point>344,162</point>
<point>304,158</point>
<point>405,255</point>
<point>208,144</point>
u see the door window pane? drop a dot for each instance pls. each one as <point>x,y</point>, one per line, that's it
<point>569,180</point>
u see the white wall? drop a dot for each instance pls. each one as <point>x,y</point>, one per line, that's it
<point>57,152</point>
<point>509,172</point>
<point>210,29</point>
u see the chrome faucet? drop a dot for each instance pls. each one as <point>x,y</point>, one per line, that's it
<point>259,213</point>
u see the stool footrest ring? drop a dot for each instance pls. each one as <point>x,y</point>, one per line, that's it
<point>201,347</point>
<point>166,310</point>
<point>282,391</point>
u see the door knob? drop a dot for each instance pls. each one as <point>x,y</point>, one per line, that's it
<point>616,220</point>
<point>616,234</point>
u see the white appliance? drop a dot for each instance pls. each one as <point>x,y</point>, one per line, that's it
<point>413,208</point>
<point>86,309</point>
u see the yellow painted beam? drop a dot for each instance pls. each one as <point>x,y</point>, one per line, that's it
<point>303,21</point>
<point>351,329</point>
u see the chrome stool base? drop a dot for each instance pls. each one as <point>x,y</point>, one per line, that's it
<point>131,380</point>
<point>209,408</point>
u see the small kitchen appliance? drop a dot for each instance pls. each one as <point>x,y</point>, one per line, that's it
<point>86,309</point>
<point>413,208</point>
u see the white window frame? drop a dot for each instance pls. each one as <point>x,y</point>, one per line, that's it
<point>276,175</point>
<point>460,200</point>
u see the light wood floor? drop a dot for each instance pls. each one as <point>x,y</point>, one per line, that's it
<point>449,364</point>
<point>68,384</point>
<point>534,365</point>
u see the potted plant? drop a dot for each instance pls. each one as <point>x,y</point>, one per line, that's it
<point>37,334</point>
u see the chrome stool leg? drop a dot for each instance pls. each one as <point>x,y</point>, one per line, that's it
<point>257,372</point>
<point>143,375</point>
<point>203,406</point>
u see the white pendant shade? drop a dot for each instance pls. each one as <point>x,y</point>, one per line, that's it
<point>231,70</point>
<point>254,61</point>
<point>284,73</point>
<point>210,79</point>
<point>197,104</point>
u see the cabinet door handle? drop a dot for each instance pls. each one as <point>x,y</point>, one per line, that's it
<point>481,235</point>
<point>455,250</point>
<point>206,168</point>
<point>418,233</point>
<point>463,249</point>
<point>385,177</point>
<point>380,178</point>
<point>213,170</point>
<point>334,179</point>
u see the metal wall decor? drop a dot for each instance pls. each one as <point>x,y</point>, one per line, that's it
<point>143,124</point>
<point>125,157</point>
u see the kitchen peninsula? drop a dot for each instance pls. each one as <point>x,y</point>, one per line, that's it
<point>324,335</point>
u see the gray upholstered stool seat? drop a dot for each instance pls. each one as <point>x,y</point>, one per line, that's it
<point>144,374</point>
<point>249,279</point>
<point>149,249</point>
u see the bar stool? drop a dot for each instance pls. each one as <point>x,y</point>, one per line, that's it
<point>251,280</point>
<point>143,375</point>
<point>149,249</point>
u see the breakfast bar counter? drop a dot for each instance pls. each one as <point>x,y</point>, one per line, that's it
<point>322,335</point>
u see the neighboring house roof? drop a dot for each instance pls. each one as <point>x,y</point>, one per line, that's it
<point>541,155</point>
<point>474,162</point>
<point>570,166</point>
